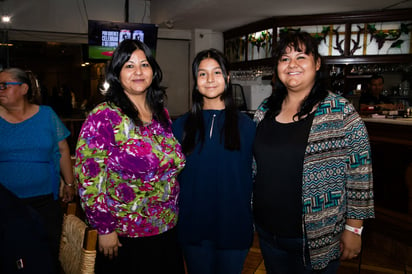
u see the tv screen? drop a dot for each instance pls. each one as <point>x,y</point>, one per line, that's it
<point>105,36</point>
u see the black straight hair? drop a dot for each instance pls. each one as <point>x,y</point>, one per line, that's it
<point>155,94</point>
<point>194,129</point>
<point>302,42</point>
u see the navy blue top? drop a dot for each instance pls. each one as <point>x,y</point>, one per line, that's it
<point>216,186</point>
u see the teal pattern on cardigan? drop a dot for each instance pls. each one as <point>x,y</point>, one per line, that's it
<point>337,181</point>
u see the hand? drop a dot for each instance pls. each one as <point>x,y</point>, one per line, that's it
<point>109,244</point>
<point>68,193</point>
<point>350,245</point>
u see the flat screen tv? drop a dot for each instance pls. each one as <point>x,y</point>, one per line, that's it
<point>105,36</point>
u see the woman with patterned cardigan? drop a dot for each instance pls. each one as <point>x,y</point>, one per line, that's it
<point>313,184</point>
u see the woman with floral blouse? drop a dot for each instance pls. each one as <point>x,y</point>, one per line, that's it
<point>127,161</point>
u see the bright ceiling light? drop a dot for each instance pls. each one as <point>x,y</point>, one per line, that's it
<point>5,19</point>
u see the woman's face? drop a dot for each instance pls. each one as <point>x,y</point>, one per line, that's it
<point>136,75</point>
<point>12,92</point>
<point>210,81</point>
<point>297,70</point>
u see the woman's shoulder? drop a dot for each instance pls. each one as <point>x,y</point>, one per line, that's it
<point>106,109</point>
<point>246,120</point>
<point>178,125</point>
<point>181,118</point>
<point>335,103</point>
<point>334,96</point>
<point>46,112</point>
<point>106,112</point>
<point>334,100</point>
<point>179,121</point>
<point>46,109</point>
<point>103,106</point>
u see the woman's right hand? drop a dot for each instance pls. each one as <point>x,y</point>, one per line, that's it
<point>109,244</point>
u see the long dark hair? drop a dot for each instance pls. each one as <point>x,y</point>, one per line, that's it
<point>194,130</point>
<point>300,41</point>
<point>155,94</point>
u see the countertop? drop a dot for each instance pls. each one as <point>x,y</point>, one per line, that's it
<point>393,121</point>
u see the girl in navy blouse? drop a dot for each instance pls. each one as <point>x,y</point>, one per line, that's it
<point>215,221</point>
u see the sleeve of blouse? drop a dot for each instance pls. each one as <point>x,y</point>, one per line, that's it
<point>61,130</point>
<point>257,118</point>
<point>359,185</point>
<point>95,139</point>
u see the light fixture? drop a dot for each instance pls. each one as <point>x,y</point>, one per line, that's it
<point>6,19</point>
<point>104,87</point>
<point>169,24</point>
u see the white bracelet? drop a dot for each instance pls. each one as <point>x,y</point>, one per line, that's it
<point>70,185</point>
<point>355,230</point>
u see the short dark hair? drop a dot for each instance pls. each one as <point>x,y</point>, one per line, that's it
<point>376,77</point>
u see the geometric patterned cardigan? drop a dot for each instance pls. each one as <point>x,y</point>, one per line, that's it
<point>337,181</point>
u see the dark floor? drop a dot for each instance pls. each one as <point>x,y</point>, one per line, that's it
<point>372,260</point>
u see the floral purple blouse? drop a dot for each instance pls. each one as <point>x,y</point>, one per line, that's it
<point>127,174</point>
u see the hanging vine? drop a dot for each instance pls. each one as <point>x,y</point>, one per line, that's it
<point>264,39</point>
<point>382,37</point>
<point>356,43</point>
<point>338,46</point>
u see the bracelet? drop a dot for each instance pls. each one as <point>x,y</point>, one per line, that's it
<point>70,185</point>
<point>355,230</point>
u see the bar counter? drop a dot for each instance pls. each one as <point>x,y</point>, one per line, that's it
<point>391,121</point>
<point>391,145</point>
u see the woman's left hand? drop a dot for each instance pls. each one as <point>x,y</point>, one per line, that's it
<point>350,245</point>
<point>68,193</point>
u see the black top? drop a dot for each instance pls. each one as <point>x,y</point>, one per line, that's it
<point>279,150</point>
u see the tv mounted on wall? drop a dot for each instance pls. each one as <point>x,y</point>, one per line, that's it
<point>105,36</point>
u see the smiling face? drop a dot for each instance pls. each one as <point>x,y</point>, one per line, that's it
<point>297,70</point>
<point>211,83</point>
<point>136,75</point>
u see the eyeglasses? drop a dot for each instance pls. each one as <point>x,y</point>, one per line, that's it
<point>3,85</point>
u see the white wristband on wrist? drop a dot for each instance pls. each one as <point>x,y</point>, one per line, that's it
<point>355,230</point>
<point>70,185</point>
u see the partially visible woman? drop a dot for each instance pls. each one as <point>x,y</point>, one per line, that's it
<point>33,152</point>
<point>215,221</point>
<point>313,186</point>
<point>127,162</point>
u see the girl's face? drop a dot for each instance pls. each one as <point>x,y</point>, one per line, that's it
<point>297,70</point>
<point>136,75</point>
<point>211,83</point>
